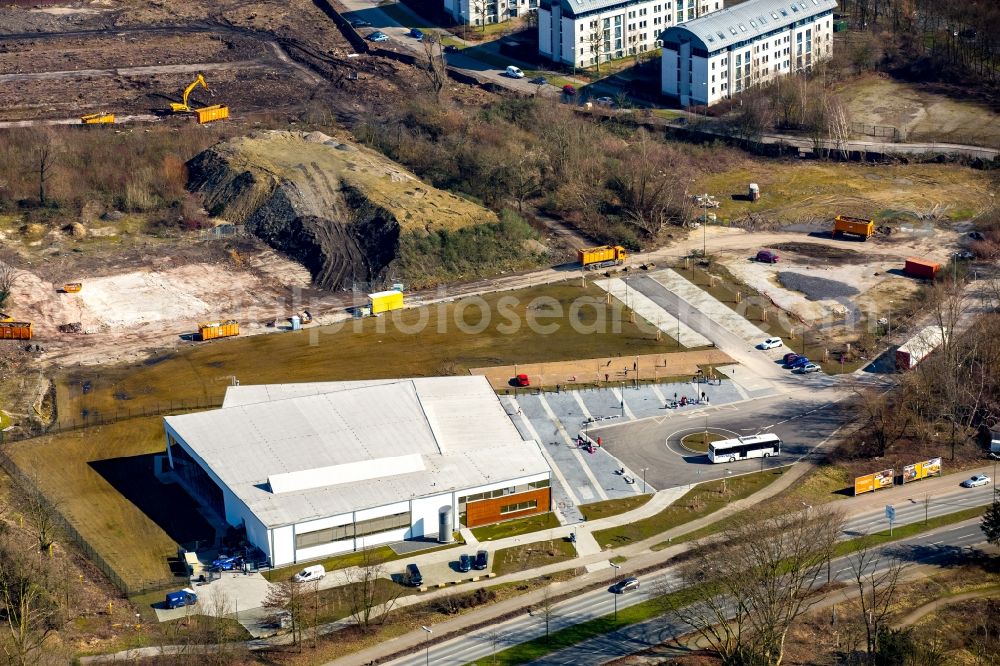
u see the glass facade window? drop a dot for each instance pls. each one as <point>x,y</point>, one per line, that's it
<point>361,528</point>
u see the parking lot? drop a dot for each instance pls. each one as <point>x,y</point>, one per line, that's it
<point>655,443</point>
<point>556,419</point>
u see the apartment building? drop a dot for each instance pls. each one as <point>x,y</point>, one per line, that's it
<point>582,33</point>
<point>482,12</point>
<point>720,55</point>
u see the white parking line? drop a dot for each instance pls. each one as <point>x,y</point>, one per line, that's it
<point>583,407</point>
<point>659,394</point>
<point>541,445</point>
<point>573,448</point>
<point>628,412</point>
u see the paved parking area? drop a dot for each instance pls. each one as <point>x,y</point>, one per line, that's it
<point>654,443</point>
<point>555,420</point>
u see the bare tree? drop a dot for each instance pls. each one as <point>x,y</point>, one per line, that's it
<point>43,161</point>
<point>8,279</point>
<point>876,575</point>
<point>371,600</point>
<point>524,173</point>
<point>546,610</point>
<point>434,67</point>
<point>756,580</point>
<point>42,514</point>
<point>288,596</point>
<point>29,610</point>
<point>595,40</point>
<point>885,419</point>
<point>650,198</point>
<point>478,10</point>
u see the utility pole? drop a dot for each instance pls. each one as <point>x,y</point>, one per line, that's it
<point>616,567</point>
<point>427,644</point>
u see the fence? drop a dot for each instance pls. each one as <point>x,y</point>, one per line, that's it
<point>877,131</point>
<point>127,587</point>
<point>89,419</point>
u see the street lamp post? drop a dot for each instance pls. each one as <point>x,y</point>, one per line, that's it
<point>616,567</point>
<point>427,644</point>
<point>995,458</point>
<point>643,470</point>
<point>704,229</point>
<point>623,401</point>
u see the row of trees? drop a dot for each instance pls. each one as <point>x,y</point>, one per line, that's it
<point>953,392</point>
<point>956,37</point>
<point>613,180</point>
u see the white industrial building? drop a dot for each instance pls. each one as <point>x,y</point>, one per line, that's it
<point>483,12</point>
<point>720,55</point>
<point>581,33</point>
<point>311,470</point>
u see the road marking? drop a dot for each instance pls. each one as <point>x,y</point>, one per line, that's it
<point>621,401</point>
<point>583,407</point>
<point>541,446</point>
<point>659,395</point>
<point>573,448</point>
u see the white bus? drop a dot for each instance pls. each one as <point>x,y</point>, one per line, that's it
<point>743,448</point>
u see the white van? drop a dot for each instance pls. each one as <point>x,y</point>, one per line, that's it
<point>310,574</point>
<point>514,72</point>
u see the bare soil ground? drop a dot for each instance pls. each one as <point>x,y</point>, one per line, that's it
<point>921,111</point>
<point>593,370</point>
<point>135,57</point>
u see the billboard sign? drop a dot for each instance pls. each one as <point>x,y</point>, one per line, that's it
<point>884,479</point>
<point>922,470</point>
<point>890,512</point>
<point>877,481</point>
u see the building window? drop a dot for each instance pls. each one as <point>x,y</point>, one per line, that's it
<point>520,506</point>
<point>361,528</point>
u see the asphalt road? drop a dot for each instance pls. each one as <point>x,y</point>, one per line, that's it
<point>936,547</point>
<point>952,544</point>
<point>802,422</point>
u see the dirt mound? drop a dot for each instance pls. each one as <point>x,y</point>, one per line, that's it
<point>340,209</point>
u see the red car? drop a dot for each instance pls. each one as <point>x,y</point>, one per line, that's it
<point>522,380</point>
<point>568,90</point>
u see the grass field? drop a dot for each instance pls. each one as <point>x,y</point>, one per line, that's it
<point>4,419</point>
<point>532,555</point>
<point>67,467</point>
<point>702,500</point>
<point>597,510</point>
<point>699,441</point>
<point>369,348</point>
<point>922,115</point>
<point>798,192</point>
<point>509,528</point>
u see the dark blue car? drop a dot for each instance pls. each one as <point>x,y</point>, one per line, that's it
<point>227,563</point>
<point>798,363</point>
<point>417,34</point>
<point>185,597</point>
<point>465,563</point>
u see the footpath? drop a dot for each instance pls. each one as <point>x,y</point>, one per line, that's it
<point>639,555</point>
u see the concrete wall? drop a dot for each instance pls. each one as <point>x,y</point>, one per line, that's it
<point>424,514</point>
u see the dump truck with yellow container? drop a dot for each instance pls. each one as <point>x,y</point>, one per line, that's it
<point>856,226</point>
<point>592,258</point>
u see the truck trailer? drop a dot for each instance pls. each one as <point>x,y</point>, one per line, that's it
<point>592,258</point>
<point>921,268</point>
<point>855,226</point>
<point>918,347</point>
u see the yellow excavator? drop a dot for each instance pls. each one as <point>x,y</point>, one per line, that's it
<point>205,114</point>
<point>183,106</point>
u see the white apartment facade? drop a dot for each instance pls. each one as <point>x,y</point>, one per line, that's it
<point>581,33</point>
<point>720,55</point>
<point>483,12</point>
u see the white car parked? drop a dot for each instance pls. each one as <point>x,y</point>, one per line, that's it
<point>771,343</point>
<point>514,72</point>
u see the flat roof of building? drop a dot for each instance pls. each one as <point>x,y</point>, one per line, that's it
<point>299,452</point>
<point>749,20</point>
